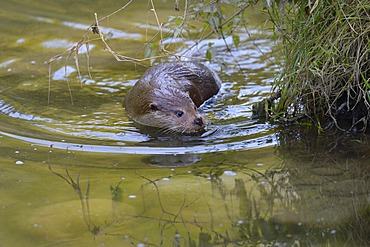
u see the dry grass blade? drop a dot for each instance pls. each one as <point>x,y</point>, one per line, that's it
<point>160,50</point>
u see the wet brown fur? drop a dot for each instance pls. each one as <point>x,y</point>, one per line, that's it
<point>169,88</point>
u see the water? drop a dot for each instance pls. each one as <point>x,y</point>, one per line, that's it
<point>82,174</point>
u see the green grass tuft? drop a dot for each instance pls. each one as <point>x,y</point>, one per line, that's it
<point>326,71</point>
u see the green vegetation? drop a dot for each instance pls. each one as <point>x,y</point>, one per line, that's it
<point>326,72</point>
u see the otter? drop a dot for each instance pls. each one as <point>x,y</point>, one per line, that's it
<point>169,94</point>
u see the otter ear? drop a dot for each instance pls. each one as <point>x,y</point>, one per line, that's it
<point>153,107</point>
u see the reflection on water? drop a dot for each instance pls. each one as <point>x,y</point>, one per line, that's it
<point>217,205</point>
<point>331,175</point>
<point>83,174</point>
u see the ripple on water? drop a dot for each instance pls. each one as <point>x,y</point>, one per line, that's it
<point>65,44</point>
<point>104,126</point>
<point>252,143</point>
<point>6,63</point>
<point>114,33</point>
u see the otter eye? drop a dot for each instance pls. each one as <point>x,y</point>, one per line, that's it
<point>153,107</point>
<point>179,113</point>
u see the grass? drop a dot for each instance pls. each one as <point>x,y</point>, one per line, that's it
<point>327,64</point>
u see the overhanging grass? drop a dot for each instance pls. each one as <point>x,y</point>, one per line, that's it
<point>326,68</point>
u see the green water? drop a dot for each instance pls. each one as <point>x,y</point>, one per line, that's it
<point>82,174</point>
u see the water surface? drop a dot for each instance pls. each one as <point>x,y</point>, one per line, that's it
<point>75,170</point>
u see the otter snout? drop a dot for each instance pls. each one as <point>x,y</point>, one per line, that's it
<point>199,122</point>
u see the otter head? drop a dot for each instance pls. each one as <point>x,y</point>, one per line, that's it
<point>173,111</point>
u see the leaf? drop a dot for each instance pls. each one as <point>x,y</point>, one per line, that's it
<point>147,51</point>
<point>236,40</point>
<point>177,32</point>
<point>209,55</point>
<point>215,23</point>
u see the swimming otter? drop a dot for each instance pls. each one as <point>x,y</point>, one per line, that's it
<point>169,94</point>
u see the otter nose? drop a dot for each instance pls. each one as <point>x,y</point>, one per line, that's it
<point>198,122</point>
